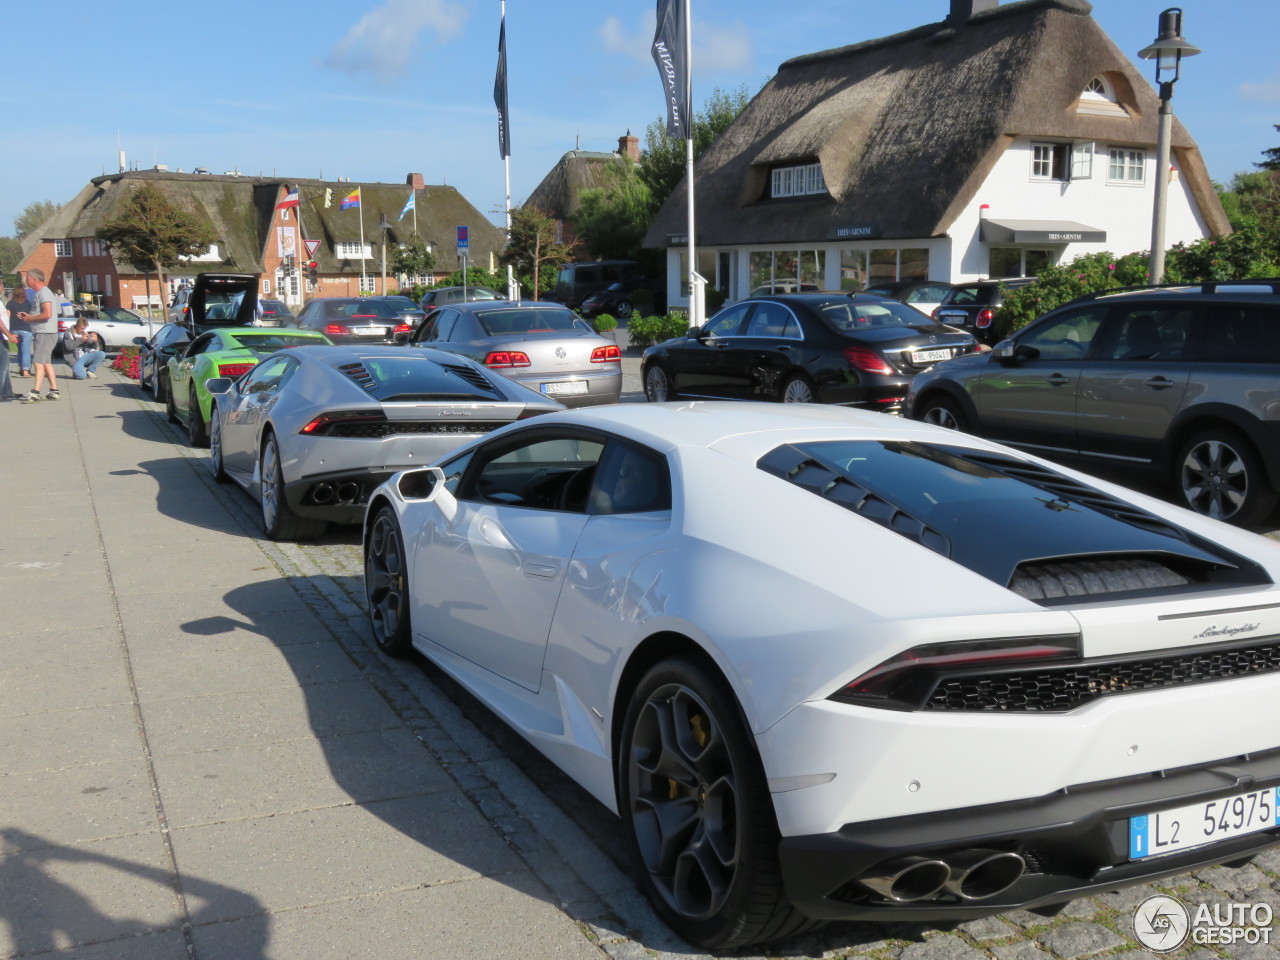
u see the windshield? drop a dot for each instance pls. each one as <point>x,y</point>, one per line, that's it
<point>848,316</point>
<point>497,323</point>
<point>275,341</point>
<point>363,310</point>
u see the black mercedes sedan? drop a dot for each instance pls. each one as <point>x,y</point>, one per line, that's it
<point>854,349</point>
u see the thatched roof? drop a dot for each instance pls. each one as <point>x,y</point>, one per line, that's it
<point>240,210</point>
<point>908,127</point>
<point>559,193</point>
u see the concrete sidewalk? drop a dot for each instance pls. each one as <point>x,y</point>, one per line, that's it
<point>191,765</point>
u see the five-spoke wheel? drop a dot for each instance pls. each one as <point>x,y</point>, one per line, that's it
<point>386,585</point>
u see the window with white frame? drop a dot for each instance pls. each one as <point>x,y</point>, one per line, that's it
<point>353,250</point>
<point>90,283</point>
<point>798,181</point>
<point>90,247</point>
<point>212,254</point>
<point>1127,166</point>
<point>62,248</point>
<point>1061,161</point>
<point>106,284</point>
<point>266,285</point>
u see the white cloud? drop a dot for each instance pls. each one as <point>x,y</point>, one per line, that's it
<point>716,47</point>
<point>1267,91</point>
<point>382,42</point>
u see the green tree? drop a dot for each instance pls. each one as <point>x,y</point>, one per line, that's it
<point>33,217</point>
<point>476,277</point>
<point>153,234</point>
<point>413,258</point>
<point>662,164</point>
<point>534,249</point>
<point>1273,156</point>
<point>1252,195</point>
<point>612,219</point>
<point>10,255</point>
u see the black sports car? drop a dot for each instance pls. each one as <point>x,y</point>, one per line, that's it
<point>853,349</point>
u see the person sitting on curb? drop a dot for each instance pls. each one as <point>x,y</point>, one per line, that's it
<point>80,350</point>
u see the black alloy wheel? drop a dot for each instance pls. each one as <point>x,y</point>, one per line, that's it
<point>697,811</point>
<point>1218,474</point>
<point>386,585</point>
<point>943,412</point>
<point>196,432</point>
<point>215,448</point>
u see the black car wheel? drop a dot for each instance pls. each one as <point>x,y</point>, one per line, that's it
<point>170,408</point>
<point>159,386</point>
<point>945,413</point>
<point>1218,474</point>
<point>279,522</point>
<point>386,585</point>
<point>797,389</point>
<point>697,811</point>
<point>196,432</point>
<point>657,384</point>
<point>215,448</point>
<point>623,310</point>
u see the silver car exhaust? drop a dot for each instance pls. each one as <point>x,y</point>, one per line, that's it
<point>979,874</point>
<point>908,879</point>
<point>322,493</point>
<point>347,492</point>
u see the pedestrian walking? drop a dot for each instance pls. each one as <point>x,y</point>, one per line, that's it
<point>42,318</point>
<point>80,350</point>
<point>6,335</point>
<point>18,330</point>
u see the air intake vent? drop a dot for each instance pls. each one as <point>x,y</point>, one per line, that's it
<point>470,374</point>
<point>358,373</point>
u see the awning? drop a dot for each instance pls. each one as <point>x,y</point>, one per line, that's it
<point>1039,231</point>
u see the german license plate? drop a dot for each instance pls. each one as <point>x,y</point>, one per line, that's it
<point>372,331</point>
<point>565,388</point>
<point>1196,824</point>
<point>929,356</point>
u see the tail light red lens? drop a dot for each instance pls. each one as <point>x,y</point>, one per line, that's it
<point>985,317</point>
<point>235,369</point>
<point>905,681</point>
<point>335,329</point>
<point>607,354</point>
<point>64,326</point>
<point>868,361</point>
<point>507,358</point>
<point>403,328</point>
<point>326,421</point>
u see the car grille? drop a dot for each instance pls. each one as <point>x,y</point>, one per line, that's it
<point>395,428</point>
<point>1065,687</point>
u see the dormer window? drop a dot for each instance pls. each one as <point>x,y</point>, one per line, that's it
<point>798,181</point>
<point>1099,99</point>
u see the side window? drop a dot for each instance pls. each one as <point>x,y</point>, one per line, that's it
<point>728,321</point>
<point>1239,333</point>
<point>428,328</point>
<point>586,275</point>
<point>1066,337</point>
<point>631,479</point>
<point>446,323</point>
<point>200,345</point>
<point>453,471</point>
<point>1148,333</point>
<point>551,473</point>
<point>772,320</point>
<point>265,376</point>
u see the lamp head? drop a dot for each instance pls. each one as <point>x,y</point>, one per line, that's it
<point>1169,47</point>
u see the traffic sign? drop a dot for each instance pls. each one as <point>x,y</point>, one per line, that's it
<point>464,240</point>
<point>311,246</point>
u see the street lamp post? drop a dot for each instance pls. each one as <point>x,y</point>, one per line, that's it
<point>1168,50</point>
<point>384,226</point>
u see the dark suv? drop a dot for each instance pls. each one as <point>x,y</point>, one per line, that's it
<point>972,306</point>
<point>1179,380</point>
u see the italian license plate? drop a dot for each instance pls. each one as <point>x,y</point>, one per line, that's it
<point>565,388</point>
<point>929,356</point>
<point>1196,824</point>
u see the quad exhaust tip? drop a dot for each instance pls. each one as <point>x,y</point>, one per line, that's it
<point>975,874</point>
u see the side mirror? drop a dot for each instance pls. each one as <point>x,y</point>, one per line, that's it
<point>140,341</point>
<point>402,337</point>
<point>218,385</point>
<point>428,484</point>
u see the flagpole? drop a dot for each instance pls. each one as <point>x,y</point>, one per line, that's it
<point>297,261</point>
<point>504,136</point>
<point>695,281</point>
<point>360,207</point>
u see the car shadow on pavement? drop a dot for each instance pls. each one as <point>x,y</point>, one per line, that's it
<point>43,911</point>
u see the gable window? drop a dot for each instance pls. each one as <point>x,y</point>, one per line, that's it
<point>1061,161</point>
<point>352,249</point>
<point>1127,166</point>
<point>797,181</point>
<point>1099,99</point>
<point>62,248</point>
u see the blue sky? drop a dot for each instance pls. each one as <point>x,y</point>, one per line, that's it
<point>374,89</point>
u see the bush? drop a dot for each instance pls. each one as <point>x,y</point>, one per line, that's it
<point>641,301</point>
<point>646,331</point>
<point>604,323</point>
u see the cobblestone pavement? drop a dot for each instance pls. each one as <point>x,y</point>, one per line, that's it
<point>328,574</point>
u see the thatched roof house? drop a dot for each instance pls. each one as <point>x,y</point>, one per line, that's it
<point>560,193</point>
<point>252,236</point>
<point>1018,112</point>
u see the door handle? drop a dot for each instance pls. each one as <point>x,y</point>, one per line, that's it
<point>1159,383</point>
<point>1058,380</point>
<point>547,571</point>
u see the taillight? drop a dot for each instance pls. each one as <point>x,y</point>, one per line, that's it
<point>403,328</point>
<point>905,681</point>
<point>235,369</point>
<point>606,354</point>
<point>335,329</point>
<point>934,314</point>
<point>868,361</point>
<point>64,326</point>
<point>507,358</point>
<point>985,316</point>
<point>326,421</point>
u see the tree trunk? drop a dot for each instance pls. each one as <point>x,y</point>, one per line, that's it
<point>537,262</point>
<point>164,304</point>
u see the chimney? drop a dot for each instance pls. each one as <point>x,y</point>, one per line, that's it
<point>962,10</point>
<point>416,181</point>
<point>629,147</point>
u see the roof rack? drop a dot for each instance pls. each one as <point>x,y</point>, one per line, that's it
<point>1205,286</point>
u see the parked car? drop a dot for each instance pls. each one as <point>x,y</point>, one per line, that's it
<point>826,664</point>
<point>274,313</point>
<point>408,311</point>
<point>310,431</point>
<point>972,306</point>
<point>116,327</point>
<point>440,296</point>
<point>925,295</point>
<point>217,300</point>
<point>544,346</point>
<point>853,349</point>
<point>577,281</point>
<point>154,354</point>
<point>220,353</point>
<point>617,301</point>
<point>353,319</point>
<point>1177,382</point>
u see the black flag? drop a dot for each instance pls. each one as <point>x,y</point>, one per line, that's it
<point>500,92</point>
<point>668,54</point>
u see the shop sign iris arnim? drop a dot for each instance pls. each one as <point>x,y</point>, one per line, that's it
<point>1162,923</point>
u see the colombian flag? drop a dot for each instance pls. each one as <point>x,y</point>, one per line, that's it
<point>352,199</point>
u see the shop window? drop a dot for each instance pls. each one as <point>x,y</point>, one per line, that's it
<point>1018,261</point>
